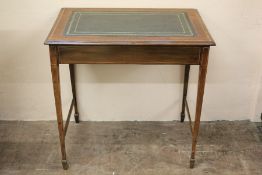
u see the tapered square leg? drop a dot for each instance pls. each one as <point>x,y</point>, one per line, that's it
<point>72,77</point>
<point>186,78</point>
<point>58,102</point>
<point>200,94</point>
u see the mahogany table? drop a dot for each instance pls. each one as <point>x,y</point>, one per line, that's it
<point>128,36</point>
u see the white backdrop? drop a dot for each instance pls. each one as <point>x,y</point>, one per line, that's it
<point>132,92</point>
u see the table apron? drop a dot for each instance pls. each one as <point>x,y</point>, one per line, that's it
<point>129,55</point>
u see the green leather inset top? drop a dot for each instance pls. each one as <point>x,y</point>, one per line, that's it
<point>129,24</point>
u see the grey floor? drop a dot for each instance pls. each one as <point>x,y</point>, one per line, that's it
<point>130,148</point>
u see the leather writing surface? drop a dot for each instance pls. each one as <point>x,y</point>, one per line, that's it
<point>129,24</point>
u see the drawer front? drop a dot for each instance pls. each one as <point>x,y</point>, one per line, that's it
<point>128,55</point>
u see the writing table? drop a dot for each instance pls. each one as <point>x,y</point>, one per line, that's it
<point>128,36</point>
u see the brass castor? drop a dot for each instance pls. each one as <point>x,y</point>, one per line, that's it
<point>192,163</point>
<point>182,117</point>
<point>77,117</point>
<point>65,164</point>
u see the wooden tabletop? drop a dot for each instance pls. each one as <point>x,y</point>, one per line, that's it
<point>82,26</point>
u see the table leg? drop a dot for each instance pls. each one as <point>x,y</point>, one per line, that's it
<point>186,77</point>
<point>200,94</point>
<point>72,76</point>
<point>58,102</point>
